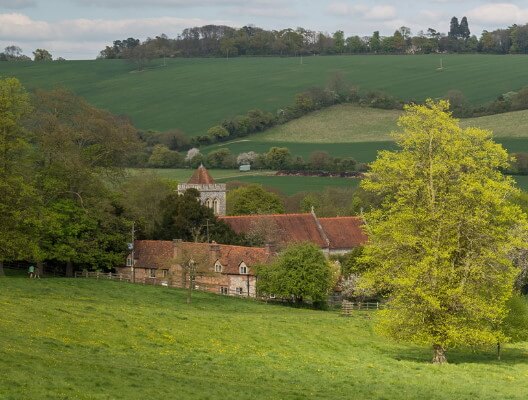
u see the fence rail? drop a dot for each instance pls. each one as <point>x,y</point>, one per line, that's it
<point>103,275</point>
<point>348,306</point>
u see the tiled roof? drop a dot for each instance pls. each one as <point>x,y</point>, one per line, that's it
<point>153,253</point>
<point>290,228</point>
<point>334,233</point>
<point>344,232</point>
<point>160,254</point>
<point>201,177</point>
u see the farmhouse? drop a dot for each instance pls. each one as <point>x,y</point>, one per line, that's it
<point>337,235</point>
<point>227,269</point>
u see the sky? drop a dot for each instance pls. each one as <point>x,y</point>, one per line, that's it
<point>79,29</point>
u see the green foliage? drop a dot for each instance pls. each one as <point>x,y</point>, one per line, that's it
<point>163,157</point>
<point>221,158</point>
<point>18,200</point>
<point>253,199</point>
<point>440,242</point>
<point>184,217</point>
<point>218,132</point>
<point>278,157</point>
<point>300,273</point>
<point>515,325</point>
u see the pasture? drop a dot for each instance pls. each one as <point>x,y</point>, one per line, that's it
<point>88,339</point>
<point>195,94</point>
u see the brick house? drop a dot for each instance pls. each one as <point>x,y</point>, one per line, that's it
<point>229,269</point>
<point>337,235</point>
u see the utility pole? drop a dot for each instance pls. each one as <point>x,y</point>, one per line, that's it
<point>207,228</point>
<point>132,254</point>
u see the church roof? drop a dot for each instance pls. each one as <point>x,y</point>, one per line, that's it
<point>201,177</point>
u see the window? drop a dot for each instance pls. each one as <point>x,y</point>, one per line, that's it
<point>216,206</point>
<point>208,203</point>
<point>218,267</point>
<point>165,272</point>
<point>152,273</point>
<point>243,269</point>
<point>129,261</point>
<point>239,290</point>
<point>224,290</point>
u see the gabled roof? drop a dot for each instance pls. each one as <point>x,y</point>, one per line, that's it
<point>344,232</point>
<point>296,228</point>
<point>160,254</point>
<point>332,233</point>
<point>201,177</point>
<point>153,253</point>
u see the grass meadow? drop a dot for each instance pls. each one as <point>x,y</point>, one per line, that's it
<point>88,339</point>
<point>195,94</point>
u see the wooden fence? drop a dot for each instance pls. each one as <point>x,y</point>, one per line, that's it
<point>102,275</point>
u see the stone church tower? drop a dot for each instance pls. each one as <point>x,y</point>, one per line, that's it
<point>212,194</point>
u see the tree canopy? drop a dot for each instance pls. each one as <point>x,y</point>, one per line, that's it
<point>441,240</point>
<point>253,199</point>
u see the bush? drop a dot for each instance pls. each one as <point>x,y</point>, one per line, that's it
<point>218,133</point>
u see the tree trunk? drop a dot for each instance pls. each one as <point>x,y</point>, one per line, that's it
<point>439,354</point>
<point>69,269</point>
<point>2,273</point>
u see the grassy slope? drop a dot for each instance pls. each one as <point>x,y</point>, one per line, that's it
<point>194,94</point>
<point>349,130</point>
<point>87,339</point>
<point>288,185</point>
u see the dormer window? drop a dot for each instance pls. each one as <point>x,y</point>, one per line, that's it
<point>243,269</point>
<point>218,267</point>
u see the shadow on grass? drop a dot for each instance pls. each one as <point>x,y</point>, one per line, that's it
<point>509,356</point>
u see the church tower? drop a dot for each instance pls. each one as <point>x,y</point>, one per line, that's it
<point>212,194</point>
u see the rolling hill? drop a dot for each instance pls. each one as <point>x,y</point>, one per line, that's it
<point>194,94</point>
<point>97,339</point>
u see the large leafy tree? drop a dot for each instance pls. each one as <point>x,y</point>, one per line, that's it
<point>253,199</point>
<point>80,147</point>
<point>441,240</point>
<point>18,199</point>
<point>184,217</point>
<point>301,273</point>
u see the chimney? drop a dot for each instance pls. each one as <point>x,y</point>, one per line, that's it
<point>177,245</point>
<point>271,248</point>
<point>214,250</point>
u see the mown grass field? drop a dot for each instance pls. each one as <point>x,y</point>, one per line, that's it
<point>288,185</point>
<point>194,94</point>
<point>88,339</point>
<point>351,131</point>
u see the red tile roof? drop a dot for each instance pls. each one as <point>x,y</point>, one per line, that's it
<point>333,233</point>
<point>160,254</point>
<point>344,232</point>
<point>290,228</point>
<point>201,177</point>
<point>153,253</point>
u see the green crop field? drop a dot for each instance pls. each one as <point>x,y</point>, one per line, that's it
<point>194,94</point>
<point>89,339</point>
<point>358,132</point>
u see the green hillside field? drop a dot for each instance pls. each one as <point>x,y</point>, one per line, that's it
<point>96,339</point>
<point>194,94</point>
<point>352,131</point>
<point>287,185</point>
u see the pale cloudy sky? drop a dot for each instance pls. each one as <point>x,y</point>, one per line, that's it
<point>78,29</point>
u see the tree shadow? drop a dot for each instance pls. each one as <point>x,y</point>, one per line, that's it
<point>509,356</point>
